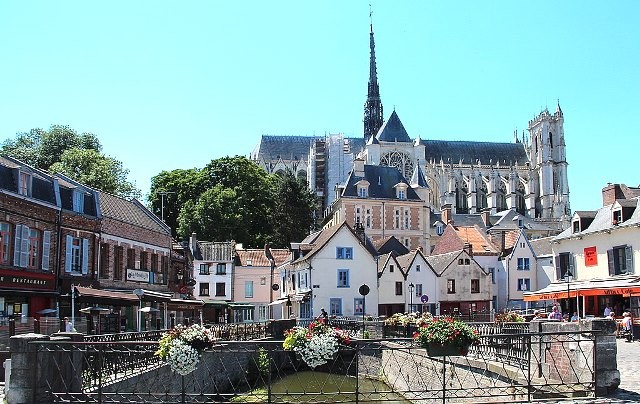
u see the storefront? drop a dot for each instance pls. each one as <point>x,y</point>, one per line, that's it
<point>589,298</point>
<point>215,312</point>
<point>184,310</point>
<point>24,294</point>
<point>106,311</point>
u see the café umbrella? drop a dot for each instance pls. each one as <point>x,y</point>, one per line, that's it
<point>95,310</point>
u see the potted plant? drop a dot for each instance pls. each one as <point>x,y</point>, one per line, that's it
<point>446,336</point>
<point>182,347</point>
<point>316,344</point>
<point>509,317</point>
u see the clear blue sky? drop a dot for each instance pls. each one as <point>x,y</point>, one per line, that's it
<point>168,85</point>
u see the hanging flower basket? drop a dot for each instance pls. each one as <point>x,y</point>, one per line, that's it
<point>316,344</point>
<point>182,347</point>
<point>446,336</point>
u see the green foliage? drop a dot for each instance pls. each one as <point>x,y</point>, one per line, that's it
<point>232,198</point>
<point>446,331</point>
<point>264,364</point>
<point>76,155</point>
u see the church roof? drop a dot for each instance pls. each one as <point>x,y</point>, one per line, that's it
<point>417,178</point>
<point>293,147</point>
<point>393,130</point>
<point>473,152</point>
<point>382,180</point>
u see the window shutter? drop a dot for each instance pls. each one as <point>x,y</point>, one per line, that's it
<point>24,247</point>
<point>85,256</point>
<point>572,266</point>
<point>67,256</point>
<point>558,271</point>
<point>612,269</point>
<point>628,256</point>
<point>17,245</point>
<point>46,246</point>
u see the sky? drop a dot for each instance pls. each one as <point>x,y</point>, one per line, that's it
<point>167,85</point>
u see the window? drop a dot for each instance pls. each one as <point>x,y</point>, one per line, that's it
<point>524,284</point>
<point>451,286</point>
<point>78,201</point>
<point>439,229</point>
<point>368,220</point>
<point>343,278</point>
<point>402,194</point>
<point>475,285</point>
<point>396,219</point>
<point>344,253</point>
<point>418,268</point>
<point>616,217</point>
<point>118,258</point>
<point>467,261</point>
<point>406,219</point>
<point>249,263</point>
<point>620,260</point>
<point>523,264</point>
<point>204,269</point>
<point>358,305</point>
<point>398,288</point>
<point>154,262</point>
<point>564,265</point>
<point>362,192</point>
<point>335,306</point>
<point>390,268</point>
<point>358,215</point>
<point>460,261</point>
<point>221,269</point>
<point>492,271</point>
<point>144,260</point>
<point>248,288</point>
<point>77,256</point>
<point>221,289</point>
<point>576,226</point>
<point>263,313</point>
<point>131,258</point>
<point>5,242</point>
<point>204,289</point>
<point>104,260</point>
<point>24,184</point>
<point>418,289</point>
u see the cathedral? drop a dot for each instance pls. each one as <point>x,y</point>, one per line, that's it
<point>527,175</point>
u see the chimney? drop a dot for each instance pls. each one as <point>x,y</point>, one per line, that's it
<point>610,193</point>
<point>485,217</point>
<point>469,249</point>
<point>358,167</point>
<point>359,230</point>
<point>193,243</point>
<point>446,214</point>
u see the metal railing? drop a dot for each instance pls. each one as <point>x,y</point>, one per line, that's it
<point>558,366</point>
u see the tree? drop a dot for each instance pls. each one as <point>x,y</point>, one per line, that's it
<point>91,168</point>
<point>79,156</point>
<point>294,210</point>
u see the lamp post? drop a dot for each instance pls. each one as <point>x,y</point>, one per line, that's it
<point>567,277</point>
<point>411,287</point>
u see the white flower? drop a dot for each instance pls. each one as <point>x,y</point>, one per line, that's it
<point>318,350</point>
<point>183,358</point>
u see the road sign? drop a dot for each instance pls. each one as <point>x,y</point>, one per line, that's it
<point>424,298</point>
<point>364,289</point>
<point>190,282</point>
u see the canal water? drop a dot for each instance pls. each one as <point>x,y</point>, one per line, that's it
<point>319,387</point>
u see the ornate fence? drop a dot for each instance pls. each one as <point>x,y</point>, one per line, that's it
<point>548,366</point>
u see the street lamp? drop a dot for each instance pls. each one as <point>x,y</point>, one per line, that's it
<point>567,277</point>
<point>411,287</point>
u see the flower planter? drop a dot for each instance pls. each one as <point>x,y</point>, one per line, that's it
<point>437,350</point>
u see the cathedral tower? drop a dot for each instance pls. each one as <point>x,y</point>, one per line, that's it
<point>547,152</point>
<point>373,106</point>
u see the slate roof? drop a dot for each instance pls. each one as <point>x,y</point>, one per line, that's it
<point>585,214</point>
<point>542,246</point>
<point>258,259</point>
<point>42,187</point>
<point>508,220</point>
<point>440,262</point>
<point>382,180</point>
<point>389,244</point>
<point>292,147</point>
<point>452,152</point>
<point>417,178</point>
<point>602,221</point>
<point>316,241</point>
<point>130,211</point>
<point>393,130</point>
<point>214,251</point>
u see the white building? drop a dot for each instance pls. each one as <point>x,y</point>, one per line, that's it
<point>421,282</point>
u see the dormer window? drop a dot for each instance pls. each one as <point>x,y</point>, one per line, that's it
<point>576,226</point>
<point>616,217</point>
<point>78,201</point>
<point>24,184</point>
<point>362,187</point>
<point>401,194</point>
<point>439,229</point>
<point>362,192</point>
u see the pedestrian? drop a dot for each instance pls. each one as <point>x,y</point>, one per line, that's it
<point>627,326</point>
<point>607,311</point>
<point>324,317</point>
<point>68,326</point>
<point>575,317</point>
<point>555,314</point>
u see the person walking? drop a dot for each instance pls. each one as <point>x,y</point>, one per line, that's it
<point>555,314</point>
<point>607,311</point>
<point>323,317</point>
<point>627,326</point>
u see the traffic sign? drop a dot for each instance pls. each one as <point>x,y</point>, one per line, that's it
<point>424,298</point>
<point>190,282</point>
<point>364,289</point>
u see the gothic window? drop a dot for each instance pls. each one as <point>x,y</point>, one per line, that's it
<point>521,206</point>
<point>501,202</point>
<point>481,194</point>
<point>551,140</point>
<point>399,160</point>
<point>462,205</point>
<point>302,176</point>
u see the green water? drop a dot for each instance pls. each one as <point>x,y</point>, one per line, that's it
<point>319,387</point>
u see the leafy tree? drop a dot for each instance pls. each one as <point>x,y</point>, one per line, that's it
<point>294,209</point>
<point>91,168</point>
<point>79,156</point>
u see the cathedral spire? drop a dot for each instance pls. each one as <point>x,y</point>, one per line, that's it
<point>373,106</point>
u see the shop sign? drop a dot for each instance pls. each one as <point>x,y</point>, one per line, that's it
<point>24,282</point>
<point>135,275</point>
<point>590,257</point>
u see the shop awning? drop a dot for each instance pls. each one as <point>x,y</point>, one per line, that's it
<point>240,305</point>
<point>597,287</point>
<point>104,296</point>
<point>152,295</point>
<point>184,304</point>
<point>277,302</point>
<point>215,303</point>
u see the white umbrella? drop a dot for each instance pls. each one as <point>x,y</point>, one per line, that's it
<point>94,310</point>
<point>149,310</point>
